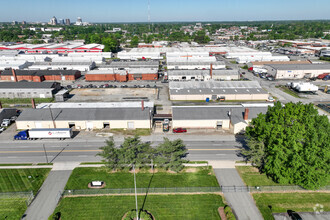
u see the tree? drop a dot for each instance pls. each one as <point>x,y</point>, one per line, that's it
<point>109,154</point>
<point>291,145</point>
<point>201,37</point>
<point>135,41</point>
<point>134,151</point>
<point>171,154</point>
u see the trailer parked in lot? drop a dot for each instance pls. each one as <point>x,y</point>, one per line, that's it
<point>44,133</point>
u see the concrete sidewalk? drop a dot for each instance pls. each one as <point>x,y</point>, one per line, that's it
<point>48,196</point>
<point>242,203</point>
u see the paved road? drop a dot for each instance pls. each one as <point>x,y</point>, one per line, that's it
<point>49,194</point>
<point>241,202</point>
<point>33,151</point>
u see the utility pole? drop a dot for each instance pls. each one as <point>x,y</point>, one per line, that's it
<point>136,203</point>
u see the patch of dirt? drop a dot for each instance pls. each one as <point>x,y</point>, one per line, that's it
<point>190,170</point>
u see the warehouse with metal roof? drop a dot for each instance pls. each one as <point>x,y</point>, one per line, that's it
<point>28,89</point>
<point>233,118</point>
<point>203,75</point>
<point>297,71</point>
<point>214,90</point>
<point>81,118</point>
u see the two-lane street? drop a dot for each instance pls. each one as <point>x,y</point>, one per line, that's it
<point>36,151</point>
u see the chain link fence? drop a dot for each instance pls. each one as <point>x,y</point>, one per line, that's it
<point>12,195</point>
<point>143,190</point>
<point>188,190</point>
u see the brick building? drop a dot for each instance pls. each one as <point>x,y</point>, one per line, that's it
<point>40,75</point>
<point>122,75</point>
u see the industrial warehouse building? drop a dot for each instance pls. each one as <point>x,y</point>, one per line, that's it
<point>81,66</point>
<point>261,64</point>
<point>66,47</point>
<point>196,65</point>
<point>213,90</point>
<point>88,116</point>
<point>120,65</point>
<point>122,75</point>
<point>233,118</point>
<point>202,75</point>
<point>28,89</point>
<point>40,75</point>
<point>300,71</point>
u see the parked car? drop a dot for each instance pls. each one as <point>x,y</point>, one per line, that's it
<point>13,119</point>
<point>2,129</point>
<point>270,78</point>
<point>179,130</point>
<point>5,122</point>
<point>148,86</point>
<point>270,99</point>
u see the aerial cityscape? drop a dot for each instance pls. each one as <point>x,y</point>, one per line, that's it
<point>148,110</point>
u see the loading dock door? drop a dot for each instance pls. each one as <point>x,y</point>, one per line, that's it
<point>89,125</point>
<point>130,125</point>
<point>219,124</point>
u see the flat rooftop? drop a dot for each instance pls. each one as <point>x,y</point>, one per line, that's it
<point>95,105</point>
<point>300,66</point>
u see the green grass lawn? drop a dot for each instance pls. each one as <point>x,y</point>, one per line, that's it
<point>12,208</point>
<point>17,180</point>
<point>80,178</point>
<point>281,202</point>
<point>252,177</point>
<point>138,131</point>
<point>167,207</point>
<point>24,100</point>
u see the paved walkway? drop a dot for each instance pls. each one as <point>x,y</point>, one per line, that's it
<point>241,202</point>
<point>48,196</point>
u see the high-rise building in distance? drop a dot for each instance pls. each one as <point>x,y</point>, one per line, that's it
<point>67,21</point>
<point>53,21</point>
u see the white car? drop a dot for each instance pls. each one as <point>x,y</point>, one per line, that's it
<point>270,99</point>
<point>2,129</point>
<point>5,123</point>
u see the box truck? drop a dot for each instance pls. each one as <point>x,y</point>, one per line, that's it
<point>47,133</point>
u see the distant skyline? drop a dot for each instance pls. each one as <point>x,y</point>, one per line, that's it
<point>164,11</point>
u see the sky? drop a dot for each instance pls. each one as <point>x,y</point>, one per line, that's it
<point>112,11</point>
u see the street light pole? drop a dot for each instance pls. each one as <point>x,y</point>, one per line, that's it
<point>136,203</point>
<point>43,145</point>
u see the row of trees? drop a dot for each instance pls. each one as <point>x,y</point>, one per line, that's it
<point>169,154</point>
<point>291,145</point>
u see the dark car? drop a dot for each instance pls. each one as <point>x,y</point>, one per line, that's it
<point>179,130</point>
<point>294,215</point>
